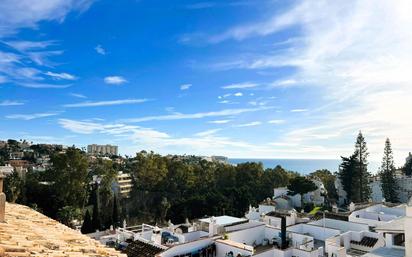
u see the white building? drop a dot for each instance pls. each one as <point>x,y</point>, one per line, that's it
<point>123,184</point>
<point>102,149</point>
<point>404,192</point>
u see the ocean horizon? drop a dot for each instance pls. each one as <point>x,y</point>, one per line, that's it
<point>303,166</point>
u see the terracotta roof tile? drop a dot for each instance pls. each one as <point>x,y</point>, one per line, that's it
<point>30,233</point>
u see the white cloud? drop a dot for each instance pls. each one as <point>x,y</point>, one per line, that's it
<point>137,137</point>
<point>31,116</point>
<point>17,61</point>
<point>207,133</point>
<point>276,121</point>
<point>100,50</point>
<point>42,85</point>
<point>24,46</point>
<point>59,76</point>
<point>185,86</point>
<point>106,103</point>
<point>299,110</point>
<point>200,115</point>
<point>219,121</point>
<point>78,95</point>
<point>11,103</point>
<point>115,80</point>
<point>25,14</point>
<point>241,85</point>
<point>250,124</point>
<point>238,94</point>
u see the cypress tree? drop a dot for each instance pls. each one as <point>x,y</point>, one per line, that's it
<point>115,214</point>
<point>96,211</point>
<point>387,174</point>
<point>87,226</point>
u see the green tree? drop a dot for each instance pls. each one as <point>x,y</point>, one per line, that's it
<point>301,185</point>
<point>87,226</point>
<point>328,180</point>
<point>387,174</point>
<point>115,213</point>
<point>346,175</point>
<point>97,224</point>
<point>13,187</point>
<point>407,168</point>
<point>68,214</point>
<point>68,176</point>
<point>361,170</point>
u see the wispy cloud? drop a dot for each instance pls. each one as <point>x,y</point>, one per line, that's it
<point>43,85</point>
<point>207,132</point>
<point>11,103</point>
<point>250,124</point>
<point>78,95</point>
<point>299,110</point>
<point>276,121</point>
<point>241,85</point>
<point>185,86</point>
<point>200,115</point>
<point>219,121</point>
<point>106,103</point>
<point>100,50</point>
<point>31,116</point>
<point>60,76</point>
<point>115,80</point>
<point>26,15</point>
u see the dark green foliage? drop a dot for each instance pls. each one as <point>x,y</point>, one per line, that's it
<point>346,175</point>
<point>387,174</point>
<point>14,187</point>
<point>353,173</point>
<point>178,187</point>
<point>87,226</point>
<point>68,177</point>
<point>301,185</point>
<point>67,214</point>
<point>362,174</point>
<point>407,168</point>
<point>115,213</point>
<point>328,180</point>
<point>96,221</point>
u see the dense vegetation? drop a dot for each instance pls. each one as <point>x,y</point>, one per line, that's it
<point>165,187</point>
<point>177,188</point>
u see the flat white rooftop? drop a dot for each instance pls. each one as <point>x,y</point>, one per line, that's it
<point>224,220</point>
<point>386,252</point>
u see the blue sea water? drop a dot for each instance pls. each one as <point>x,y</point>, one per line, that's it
<point>303,166</point>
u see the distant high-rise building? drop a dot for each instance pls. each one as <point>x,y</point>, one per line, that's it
<point>102,149</point>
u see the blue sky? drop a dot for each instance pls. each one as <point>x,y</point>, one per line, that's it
<point>261,78</point>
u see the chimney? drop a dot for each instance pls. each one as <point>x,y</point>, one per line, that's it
<point>283,233</point>
<point>2,200</point>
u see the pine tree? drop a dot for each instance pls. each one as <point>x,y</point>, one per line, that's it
<point>387,174</point>
<point>87,226</point>
<point>361,171</point>
<point>346,175</point>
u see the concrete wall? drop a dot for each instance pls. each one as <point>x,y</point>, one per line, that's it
<point>186,248</point>
<point>319,233</point>
<point>249,236</point>
<point>222,249</point>
<point>343,226</point>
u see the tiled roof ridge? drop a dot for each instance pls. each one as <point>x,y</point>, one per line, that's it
<point>27,232</point>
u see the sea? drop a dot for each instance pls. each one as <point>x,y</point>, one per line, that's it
<point>303,166</point>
